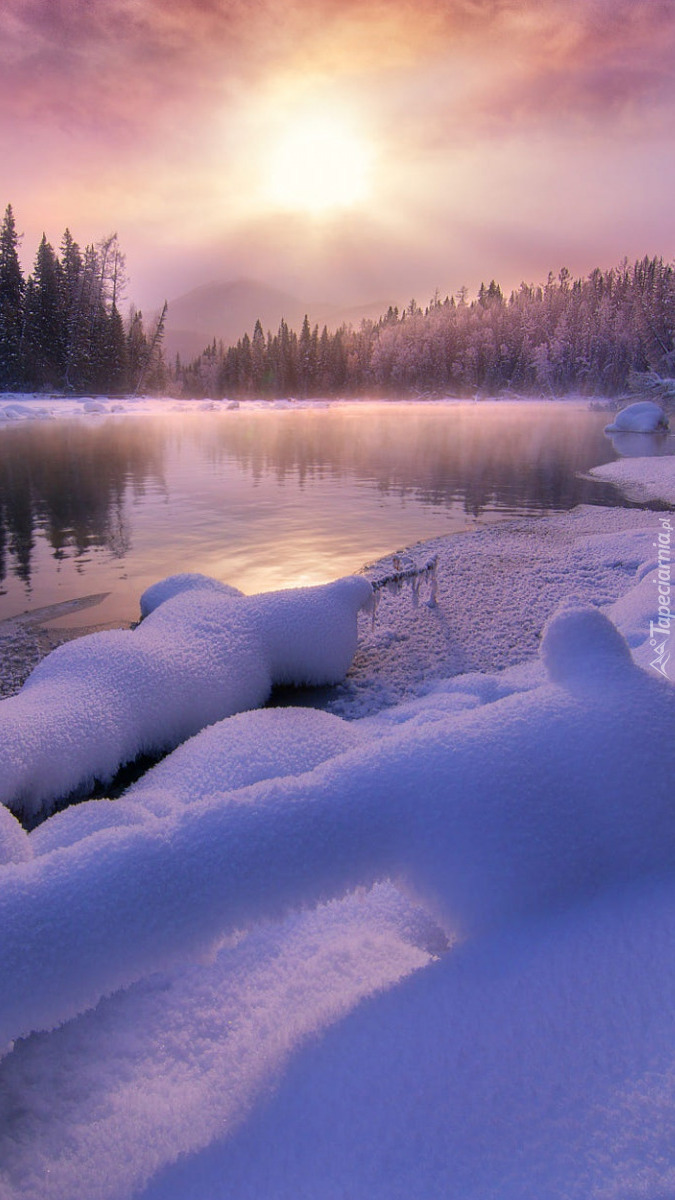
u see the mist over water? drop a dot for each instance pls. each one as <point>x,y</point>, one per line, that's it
<point>266,499</point>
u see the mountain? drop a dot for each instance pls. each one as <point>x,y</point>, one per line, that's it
<point>227,310</point>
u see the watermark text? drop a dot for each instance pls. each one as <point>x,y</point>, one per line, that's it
<point>660,630</point>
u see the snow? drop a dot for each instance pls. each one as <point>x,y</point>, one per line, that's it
<point>202,652</point>
<point>642,417</point>
<point>424,952</point>
<point>641,478</point>
<point>528,1065</point>
<point>418,805</point>
<point>495,589</point>
<point>14,843</point>
<point>44,406</point>
<point>97,1107</point>
<point>41,407</point>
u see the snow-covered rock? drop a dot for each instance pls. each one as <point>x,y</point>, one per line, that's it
<point>21,412</point>
<point>202,652</point>
<point>642,417</point>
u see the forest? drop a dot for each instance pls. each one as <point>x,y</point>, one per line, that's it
<point>600,335</point>
<point>61,328</point>
<point>606,334</point>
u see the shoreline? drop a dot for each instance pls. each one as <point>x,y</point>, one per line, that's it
<point>495,589</point>
<point>408,645</point>
<point>14,409</point>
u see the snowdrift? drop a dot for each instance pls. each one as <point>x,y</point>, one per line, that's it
<point>519,805</point>
<point>165,954</point>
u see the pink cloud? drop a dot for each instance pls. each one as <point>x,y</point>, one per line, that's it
<point>116,114</point>
<point>117,66</point>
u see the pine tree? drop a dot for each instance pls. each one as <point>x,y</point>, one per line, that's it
<point>75,315</point>
<point>258,364</point>
<point>11,303</point>
<point>44,340</point>
<point>306,358</point>
<point>146,369</point>
<point>136,350</point>
<point>115,353</point>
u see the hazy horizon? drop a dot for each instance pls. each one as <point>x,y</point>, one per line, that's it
<point>347,153</point>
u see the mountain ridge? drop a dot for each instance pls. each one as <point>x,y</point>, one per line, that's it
<point>227,309</point>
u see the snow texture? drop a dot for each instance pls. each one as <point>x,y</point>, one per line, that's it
<point>642,417</point>
<point>201,653</point>
<point>495,590</point>
<point>642,478</point>
<point>418,805</point>
<point>537,1063</point>
<point>474,887</point>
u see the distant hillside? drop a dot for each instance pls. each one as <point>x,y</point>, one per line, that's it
<point>608,334</point>
<point>226,311</point>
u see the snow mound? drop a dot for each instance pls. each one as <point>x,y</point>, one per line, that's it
<point>516,807</point>
<point>81,821</point>
<point>202,652</point>
<point>642,417</point>
<point>175,585</point>
<point>252,747</point>
<point>20,412</point>
<point>160,1070</point>
<point>581,648</point>
<point>169,951</point>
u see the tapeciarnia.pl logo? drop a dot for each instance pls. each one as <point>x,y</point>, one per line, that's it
<point>659,630</point>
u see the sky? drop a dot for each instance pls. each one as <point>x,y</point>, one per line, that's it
<point>349,152</point>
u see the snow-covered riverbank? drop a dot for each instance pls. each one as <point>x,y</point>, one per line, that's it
<point>184,951</point>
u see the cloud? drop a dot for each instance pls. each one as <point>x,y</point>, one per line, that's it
<point>121,66</point>
<point>156,119</point>
<point>595,60</point>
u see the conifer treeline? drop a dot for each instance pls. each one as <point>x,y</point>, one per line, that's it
<point>590,335</point>
<point>61,327</point>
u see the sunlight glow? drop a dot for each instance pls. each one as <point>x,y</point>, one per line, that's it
<point>319,164</point>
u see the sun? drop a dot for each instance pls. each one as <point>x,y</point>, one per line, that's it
<point>319,164</point>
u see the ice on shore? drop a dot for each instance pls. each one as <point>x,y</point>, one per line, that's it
<point>641,478</point>
<point>642,417</point>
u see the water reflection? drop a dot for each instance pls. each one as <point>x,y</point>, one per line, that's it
<point>271,498</point>
<point>641,445</point>
<point>484,457</point>
<point>67,482</point>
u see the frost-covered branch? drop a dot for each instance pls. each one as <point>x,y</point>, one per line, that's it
<point>405,572</point>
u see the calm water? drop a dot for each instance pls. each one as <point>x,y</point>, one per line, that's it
<point>268,499</point>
